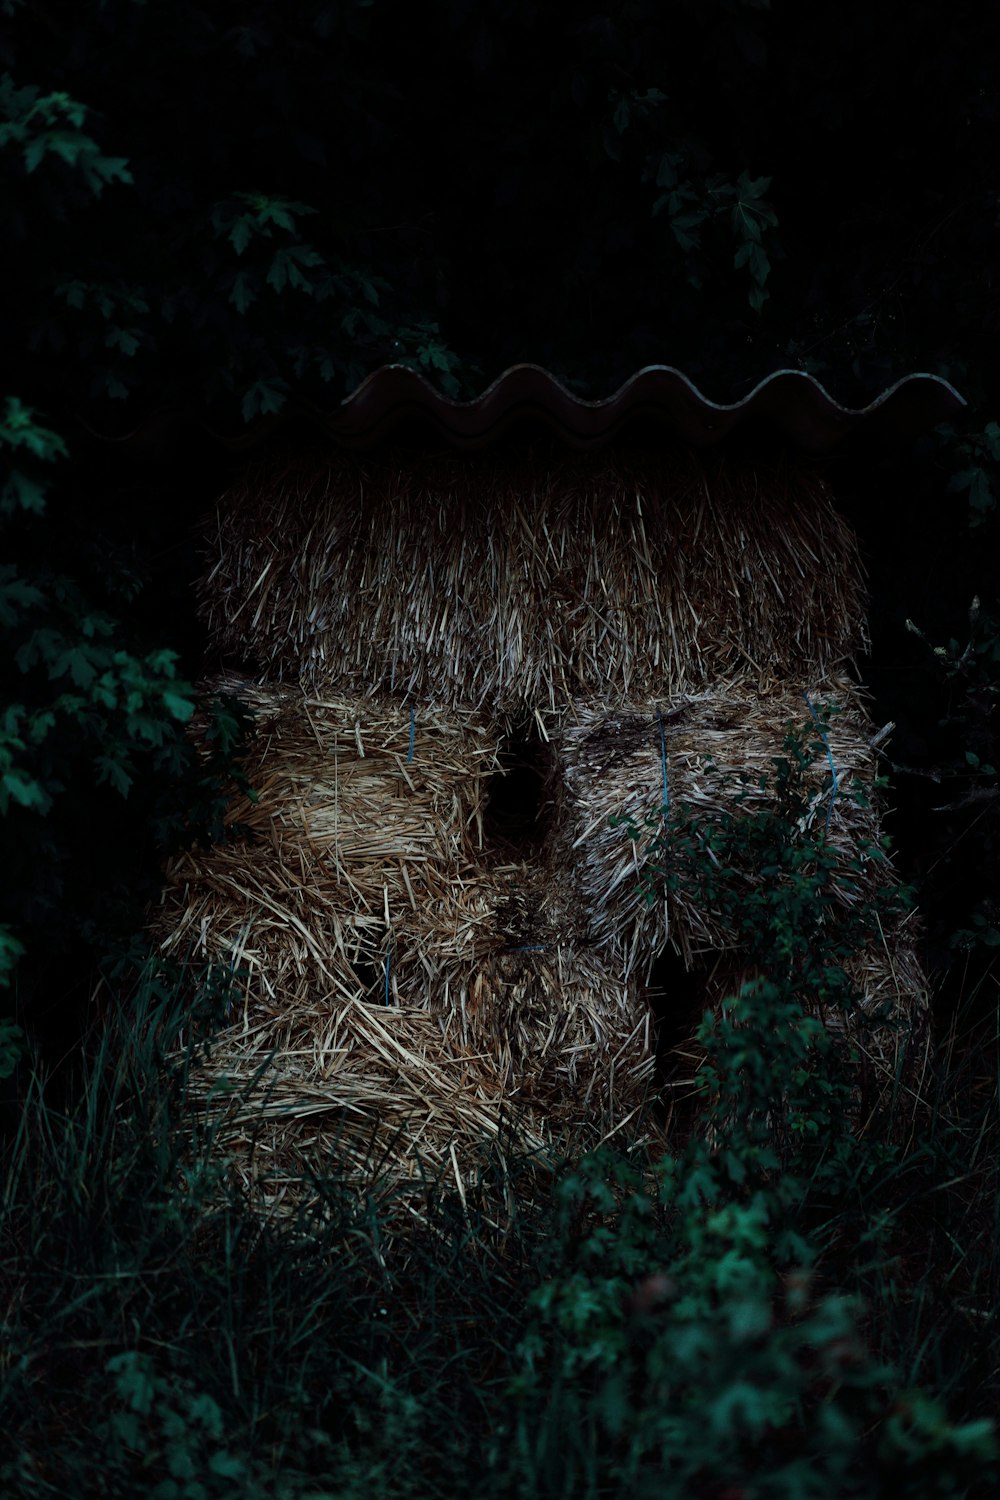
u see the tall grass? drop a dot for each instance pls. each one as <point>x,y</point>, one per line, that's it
<point>782,1307</point>
<point>159,1339</point>
<point>636,1329</point>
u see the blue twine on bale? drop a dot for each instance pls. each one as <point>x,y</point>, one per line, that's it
<point>388,951</point>
<point>829,756</point>
<point>663,755</point>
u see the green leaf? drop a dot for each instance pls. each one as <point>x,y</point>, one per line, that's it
<point>277,275</point>
<point>760,266</point>
<point>12,1039</point>
<point>689,219</point>
<point>263,397</point>
<point>40,726</point>
<point>277,213</point>
<point>25,790</point>
<point>73,293</point>
<point>16,596</point>
<point>227,1466</point>
<point>41,646</point>
<point>163,661</point>
<point>981,497</point>
<point>11,949</point>
<point>19,429</point>
<point>34,153</point>
<point>667,169</point>
<point>134,1381</point>
<point>749,1318</point>
<point>757,296</point>
<point>178,705</point>
<point>241,232</point>
<point>752,187</point>
<point>127,340</point>
<point>243,293</point>
<point>744,224</point>
<point>110,771</point>
<point>77,664</point>
<point>114,386</point>
<point>22,493</point>
<point>104,169</point>
<point>622,115</point>
<point>286,267</point>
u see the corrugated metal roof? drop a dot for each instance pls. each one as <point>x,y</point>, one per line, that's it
<point>662,398</point>
<point>794,402</point>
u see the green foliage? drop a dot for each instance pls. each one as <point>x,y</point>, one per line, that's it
<point>86,712</point>
<point>978,473</point>
<point>790,903</point>
<point>693,208</point>
<point>684,1345</point>
<point>174,1430</point>
<point>10,951</point>
<point>654,142</point>
<point>638,1328</point>
<point>22,437</point>
<point>113,1207</point>
<point>11,1036</point>
<point>681,1340</point>
<point>40,126</point>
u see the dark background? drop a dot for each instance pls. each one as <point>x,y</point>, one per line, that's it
<point>214,213</point>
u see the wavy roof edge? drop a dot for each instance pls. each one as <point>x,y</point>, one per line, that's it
<point>792,401</point>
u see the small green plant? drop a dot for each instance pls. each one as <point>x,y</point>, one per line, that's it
<point>175,1433</point>
<point>779,1082</point>
<point>684,1343</point>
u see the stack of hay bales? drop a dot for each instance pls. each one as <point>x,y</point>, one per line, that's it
<point>385,965</point>
<point>408,977</point>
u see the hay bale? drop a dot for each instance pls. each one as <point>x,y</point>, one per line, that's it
<point>370,1094</point>
<point>362,815</point>
<point>522,586</point>
<point>569,1035</point>
<point>715,746</point>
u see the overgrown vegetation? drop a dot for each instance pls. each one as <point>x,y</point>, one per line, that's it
<point>783,1306</point>
<point>723,185</point>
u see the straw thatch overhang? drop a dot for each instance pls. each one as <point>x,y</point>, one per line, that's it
<point>659,402</point>
<point>417,624</point>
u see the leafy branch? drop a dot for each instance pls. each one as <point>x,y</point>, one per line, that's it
<point>694,208</point>
<point>41,126</point>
